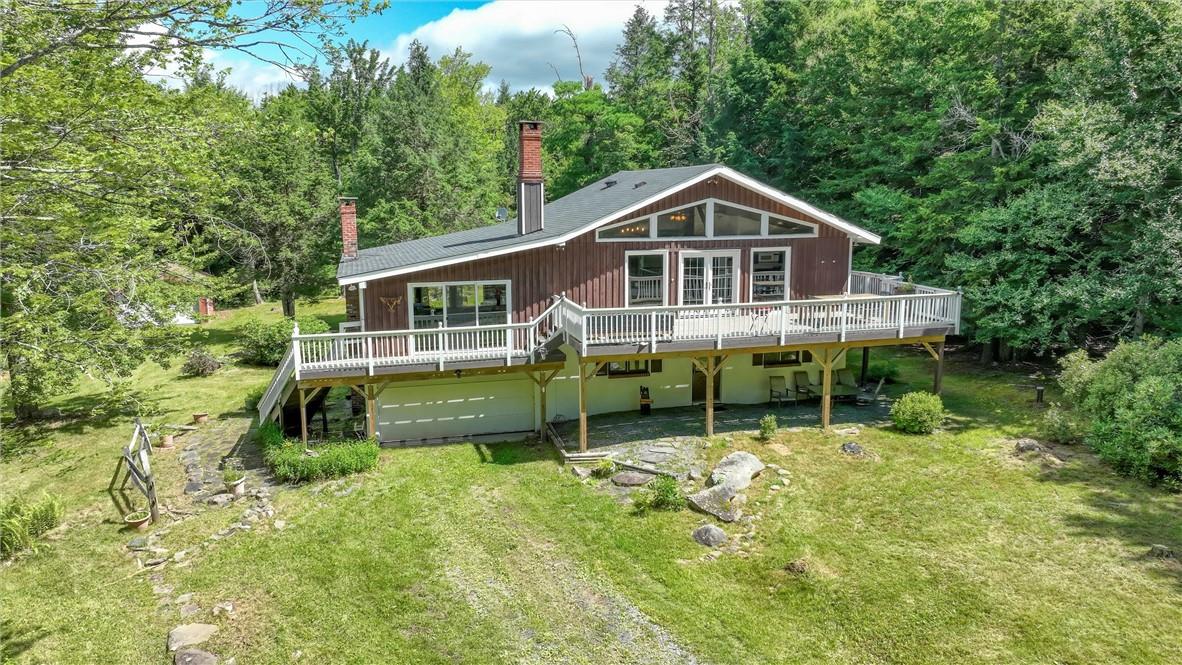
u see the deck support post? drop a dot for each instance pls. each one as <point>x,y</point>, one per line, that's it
<point>371,412</point>
<point>304,417</point>
<point>938,379</point>
<point>582,408</point>
<point>865,365</point>
<point>543,381</point>
<point>709,395</point>
<point>826,388</point>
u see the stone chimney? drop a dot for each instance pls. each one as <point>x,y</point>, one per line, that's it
<point>530,193</point>
<point>348,207</point>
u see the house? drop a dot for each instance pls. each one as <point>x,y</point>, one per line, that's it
<point>697,284</point>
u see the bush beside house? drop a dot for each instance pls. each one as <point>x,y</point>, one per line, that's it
<point>265,343</point>
<point>290,463</point>
<point>1131,405</point>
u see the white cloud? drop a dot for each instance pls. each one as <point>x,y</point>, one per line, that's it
<point>251,76</point>
<point>519,40</point>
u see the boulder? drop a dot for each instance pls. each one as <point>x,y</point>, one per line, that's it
<point>631,479</point>
<point>1027,446</point>
<point>190,634</point>
<point>709,535</point>
<point>736,470</point>
<point>1161,552</point>
<point>195,657</point>
<point>715,501</point>
<point>851,448</point>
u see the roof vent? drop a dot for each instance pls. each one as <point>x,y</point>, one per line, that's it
<point>609,183</point>
<point>640,184</point>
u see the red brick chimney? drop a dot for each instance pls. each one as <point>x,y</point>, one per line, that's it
<point>348,227</point>
<point>531,199</point>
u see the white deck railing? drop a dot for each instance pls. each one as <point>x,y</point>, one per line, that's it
<point>876,303</point>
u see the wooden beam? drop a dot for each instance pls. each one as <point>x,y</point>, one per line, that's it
<point>938,380</point>
<point>371,411</point>
<point>813,347</point>
<point>303,417</point>
<point>582,409</point>
<point>709,395</point>
<point>543,380</point>
<point>931,352</point>
<point>865,365</point>
<point>826,389</point>
<point>362,377</point>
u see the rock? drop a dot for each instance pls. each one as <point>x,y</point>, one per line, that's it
<point>190,634</point>
<point>155,562</point>
<point>783,473</point>
<point>580,472</point>
<point>1161,552</point>
<point>779,449</point>
<point>193,487</point>
<point>1027,446</point>
<point>709,535</point>
<point>851,448</point>
<point>280,524</point>
<point>184,598</point>
<point>736,470</point>
<point>180,556</point>
<point>162,589</point>
<point>695,473</point>
<point>739,501</point>
<point>189,610</point>
<point>138,543</point>
<point>195,657</point>
<point>224,608</point>
<point>220,500</point>
<point>630,479</point>
<point>847,431</point>
<point>715,501</point>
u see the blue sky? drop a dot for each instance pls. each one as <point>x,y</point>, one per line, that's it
<point>517,38</point>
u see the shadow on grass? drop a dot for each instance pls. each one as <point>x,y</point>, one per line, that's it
<point>512,452</point>
<point>15,640</point>
<point>1138,515</point>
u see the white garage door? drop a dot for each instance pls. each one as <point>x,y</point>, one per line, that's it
<point>457,408</point>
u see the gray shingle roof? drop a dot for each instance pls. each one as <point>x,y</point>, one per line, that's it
<point>563,216</point>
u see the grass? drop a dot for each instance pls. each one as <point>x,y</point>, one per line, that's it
<point>930,548</point>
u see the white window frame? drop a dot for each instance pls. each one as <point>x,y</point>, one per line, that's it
<point>664,253</point>
<point>410,298</point>
<point>787,271</point>
<point>710,202</point>
<point>707,288</point>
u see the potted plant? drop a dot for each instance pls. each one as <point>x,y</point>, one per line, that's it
<point>164,440</point>
<point>137,519</point>
<point>235,481</point>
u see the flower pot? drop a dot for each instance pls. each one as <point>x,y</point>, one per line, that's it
<point>166,441</point>
<point>200,418</point>
<point>238,487</point>
<point>138,519</point>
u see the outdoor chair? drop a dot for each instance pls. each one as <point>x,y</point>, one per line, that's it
<point>779,391</point>
<point>846,385</point>
<point>804,386</point>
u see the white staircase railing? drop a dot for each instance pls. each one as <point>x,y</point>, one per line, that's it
<point>278,383</point>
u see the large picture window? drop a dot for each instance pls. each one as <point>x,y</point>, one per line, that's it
<point>459,304</point>
<point>769,275</point>
<point>710,218</point>
<point>646,279</point>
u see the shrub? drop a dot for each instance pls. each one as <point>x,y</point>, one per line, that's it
<point>265,343</point>
<point>767,427</point>
<point>288,461</point>
<point>661,493</point>
<point>882,369</point>
<point>231,476</point>
<point>918,412</point>
<point>22,522</point>
<point>200,363</point>
<point>604,468</point>
<point>1061,426</point>
<point>1130,404</point>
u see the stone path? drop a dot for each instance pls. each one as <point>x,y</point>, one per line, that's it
<point>204,451</point>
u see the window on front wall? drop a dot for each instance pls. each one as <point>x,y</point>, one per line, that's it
<point>689,222</point>
<point>637,228</point>
<point>459,304</point>
<point>646,279</point>
<point>778,226</point>
<point>625,368</point>
<point>732,221</point>
<point>769,276</point>
<point>781,359</point>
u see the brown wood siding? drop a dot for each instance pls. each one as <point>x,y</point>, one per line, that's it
<point>592,273</point>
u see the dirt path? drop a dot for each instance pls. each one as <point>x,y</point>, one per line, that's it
<point>551,609</point>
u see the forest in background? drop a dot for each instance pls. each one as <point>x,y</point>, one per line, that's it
<point>1027,152</point>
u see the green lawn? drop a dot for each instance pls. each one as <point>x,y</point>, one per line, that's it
<point>942,548</point>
